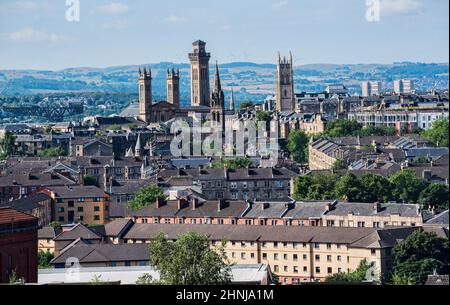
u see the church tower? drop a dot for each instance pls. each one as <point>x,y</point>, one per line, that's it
<point>285,84</point>
<point>145,95</point>
<point>173,87</point>
<point>217,104</point>
<point>200,91</point>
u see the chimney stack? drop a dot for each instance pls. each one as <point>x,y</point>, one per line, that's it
<point>265,206</point>
<point>376,207</point>
<point>194,203</point>
<point>181,204</point>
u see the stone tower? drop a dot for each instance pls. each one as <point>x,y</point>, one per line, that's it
<point>145,95</point>
<point>285,84</point>
<point>200,91</point>
<point>217,104</point>
<point>173,87</point>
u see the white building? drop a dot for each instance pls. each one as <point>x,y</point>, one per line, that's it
<point>371,88</point>
<point>404,86</point>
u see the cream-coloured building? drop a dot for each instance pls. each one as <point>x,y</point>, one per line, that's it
<point>295,254</point>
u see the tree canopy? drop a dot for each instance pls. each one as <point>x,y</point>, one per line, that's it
<point>407,186</point>
<point>233,163</point>
<point>8,145</point>
<point>435,195</point>
<point>297,145</point>
<point>146,196</point>
<point>419,255</point>
<point>361,274</point>
<point>189,261</point>
<point>438,133</point>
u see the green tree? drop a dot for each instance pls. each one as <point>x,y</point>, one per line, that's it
<point>340,164</point>
<point>44,259</point>
<point>55,225</point>
<point>146,280</point>
<point>378,131</point>
<point>418,256</point>
<point>348,187</point>
<point>436,194</point>
<point>360,275</point>
<point>343,128</point>
<point>146,196</point>
<point>189,261</point>
<point>301,187</point>
<point>245,105</point>
<point>318,186</point>
<point>8,144</point>
<point>407,186</point>
<point>52,152</point>
<point>233,163</point>
<point>89,180</point>
<point>375,188</point>
<point>438,133</point>
<point>297,145</point>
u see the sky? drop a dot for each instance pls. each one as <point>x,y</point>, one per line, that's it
<point>46,34</point>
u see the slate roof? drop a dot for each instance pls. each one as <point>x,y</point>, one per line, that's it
<point>77,191</point>
<point>28,203</point>
<point>367,209</point>
<point>78,231</point>
<point>116,227</point>
<point>355,237</point>
<point>104,253</point>
<point>48,233</point>
<point>440,219</point>
<point>9,215</point>
<point>308,210</point>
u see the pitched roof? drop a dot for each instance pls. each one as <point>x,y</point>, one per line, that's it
<point>10,215</point>
<point>78,231</point>
<point>116,227</point>
<point>104,253</point>
<point>28,203</point>
<point>440,219</point>
<point>47,233</point>
<point>367,209</point>
<point>77,191</point>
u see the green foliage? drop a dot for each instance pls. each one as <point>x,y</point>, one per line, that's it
<point>348,187</point>
<point>233,163</point>
<point>438,133</point>
<point>48,129</point>
<point>52,152</point>
<point>8,144</point>
<point>245,105</point>
<point>297,145</point>
<point>96,280</point>
<point>89,180</point>
<point>318,186</point>
<point>342,128</point>
<point>340,164</point>
<point>44,259</point>
<point>418,256</point>
<point>189,261</point>
<point>114,128</point>
<point>360,275</point>
<point>146,196</point>
<point>55,225</point>
<point>346,128</point>
<point>146,280</point>
<point>15,280</point>
<point>406,186</point>
<point>436,194</point>
<point>374,188</point>
<point>378,131</point>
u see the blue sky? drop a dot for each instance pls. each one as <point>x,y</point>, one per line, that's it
<point>34,34</point>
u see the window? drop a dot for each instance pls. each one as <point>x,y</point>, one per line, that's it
<point>70,204</point>
<point>80,199</point>
<point>330,223</point>
<point>295,269</point>
<point>318,270</point>
<point>275,256</point>
<point>305,257</point>
<point>373,251</point>
<point>243,255</point>
<point>276,268</point>
<point>317,258</point>
<point>275,244</point>
<point>285,268</point>
<point>330,270</point>
<point>285,257</point>
<point>376,224</point>
<point>317,246</point>
<point>295,257</point>
<point>96,217</point>
<point>127,264</point>
<point>329,246</point>
<point>361,224</point>
<point>274,222</point>
<point>60,210</point>
<point>328,258</point>
<point>305,269</point>
<point>252,255</point>
<point>264,256</point>
<point>96,209</point>
<point>339,258</point>
<point>61,218</point>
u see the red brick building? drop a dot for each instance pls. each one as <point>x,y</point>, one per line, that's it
<point>18,245</point>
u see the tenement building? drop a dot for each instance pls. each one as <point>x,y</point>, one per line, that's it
<point>295,254</point>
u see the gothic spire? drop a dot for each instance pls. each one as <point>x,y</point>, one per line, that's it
<point>217,85</point>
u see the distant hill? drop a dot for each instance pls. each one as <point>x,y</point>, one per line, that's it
<point>249,80</point>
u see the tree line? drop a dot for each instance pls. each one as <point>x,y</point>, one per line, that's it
<point>404,187</point>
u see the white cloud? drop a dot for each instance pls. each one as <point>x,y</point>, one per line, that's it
<point>279,4</point>
<point>176,19</point>
<point>33,35</point>
<point>115,25</point>
<point>114,9</point>
<point>18,5</point>
<point>397,7</point>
